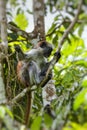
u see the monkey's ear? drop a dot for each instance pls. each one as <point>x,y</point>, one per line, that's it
<point>41,44</point>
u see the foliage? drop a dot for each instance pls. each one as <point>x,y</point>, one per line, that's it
<point>21,21</point>
<point>70,73</point>
<point>75,126</point>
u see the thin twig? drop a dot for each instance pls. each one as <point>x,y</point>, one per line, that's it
<point>22,94</point>
<point>64,21</point>
<point>55,29</point>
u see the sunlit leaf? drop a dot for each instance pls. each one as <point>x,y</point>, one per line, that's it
<point>75,126</point>
<point>84,82</point>
<point>82,62</point>
<point>8,111</point>
<point>36,123</point>
<point>73,47</point>
<point>68,77</point>
<point>2,112</point>
<point>21,21</point>
<point>81,98</point>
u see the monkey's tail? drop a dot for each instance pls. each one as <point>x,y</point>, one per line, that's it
<point>28,108</point>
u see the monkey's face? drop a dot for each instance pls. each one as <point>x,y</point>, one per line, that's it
<point>47,51</point>
<point>47,48</point>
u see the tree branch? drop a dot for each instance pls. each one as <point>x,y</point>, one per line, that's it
<point>22,94</point>
<point>55,29</point>
<point>70,26</point>
<point>3,48</point>
<point>39,28</point>
<point>64,21</point>
<point>3,22</point>
<point>20,32</point>
<point>57,54</point>
<point>38,13</point>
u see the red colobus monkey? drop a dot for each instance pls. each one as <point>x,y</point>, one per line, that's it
<point>32,67</point>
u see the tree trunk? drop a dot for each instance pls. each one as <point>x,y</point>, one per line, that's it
<point>38,13</point>
<point>3,47</point>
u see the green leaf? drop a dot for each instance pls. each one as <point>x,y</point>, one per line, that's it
<point>72,48</point>
<point>21,21</point>
<point>57,17</point>
<point>52,28</point>
<point>84,82</point>
<point>82,62</point>
<point>55,40</point>
<point>68,77</point>
<point>75,126</point>
<point>2,112</point>
<point>84,53</point>
<point>8,111</point>
<point>48,120</point>
<point>85,1</point>
<point>81,98</point>
<point>13,36</point>
<point>81,28</point>
<point>36,123</point>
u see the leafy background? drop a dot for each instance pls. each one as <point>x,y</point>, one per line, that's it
<point>70,73</point>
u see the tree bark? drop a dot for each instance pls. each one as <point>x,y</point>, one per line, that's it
<point>3,22</point>
<point>3,45</point>
<point>38,13</point>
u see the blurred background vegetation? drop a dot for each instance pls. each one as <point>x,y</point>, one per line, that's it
<point>70,73</point>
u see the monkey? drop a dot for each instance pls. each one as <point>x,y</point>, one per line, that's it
<point>38,55</point>
<point>32,67</point>
<point>28,73</point>
<point>47,48</point>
